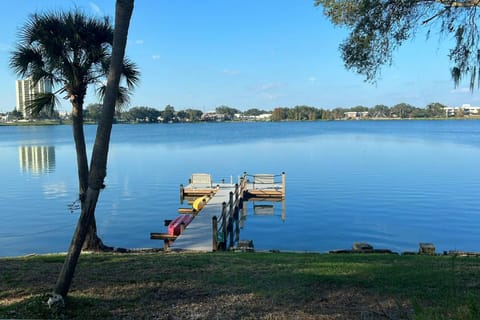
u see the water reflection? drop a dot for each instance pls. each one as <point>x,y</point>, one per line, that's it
<point>36,159</point>
<point>264,207</point>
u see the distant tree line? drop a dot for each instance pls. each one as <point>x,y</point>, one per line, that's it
<point>297,113</point>
<point>143,114</point>
<point>401,111</point>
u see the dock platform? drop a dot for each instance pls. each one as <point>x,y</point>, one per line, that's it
<point>197,236</point>
<point>203,233</point>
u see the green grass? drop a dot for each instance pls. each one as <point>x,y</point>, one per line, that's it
<point>246,286</point>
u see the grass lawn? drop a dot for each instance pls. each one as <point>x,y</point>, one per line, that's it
<point>246,286</point>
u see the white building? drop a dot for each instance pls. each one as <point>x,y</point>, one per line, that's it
<point>26,91</point>
<point>465,110</point>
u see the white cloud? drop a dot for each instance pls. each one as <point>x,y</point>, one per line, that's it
<point>312,79</point>
<point>156,57</point>
<point>96,9</point>
<point>139,41</point>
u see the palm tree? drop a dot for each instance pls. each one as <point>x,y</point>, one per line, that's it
<point>70,51</point>
<point>98,169</point>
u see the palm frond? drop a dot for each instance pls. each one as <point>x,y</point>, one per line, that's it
<point>131,73</point>
<point>24,59</point>
<point>42,102</point>
<point>70,50</point>
<point>123,96</point>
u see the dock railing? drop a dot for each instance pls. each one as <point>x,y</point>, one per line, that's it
<point>266,186</point>
<point>262,181</point>
<point>226,227</point>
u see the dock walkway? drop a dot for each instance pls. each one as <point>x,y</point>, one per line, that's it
<point>204,233</point>
<point>197,235</point>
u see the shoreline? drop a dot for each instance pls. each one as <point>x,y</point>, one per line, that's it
<point>359,251</point>
<point>68,122</point>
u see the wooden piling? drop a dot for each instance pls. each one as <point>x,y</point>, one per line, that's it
<point>214,233</point>
<point>230,231</point>
<point>182,227</point>
<point>182,193</point>
<point>163,236</point>
<point>230,202</point>
<point>224,222</point>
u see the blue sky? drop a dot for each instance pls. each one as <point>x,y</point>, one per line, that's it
<point>247,54</point>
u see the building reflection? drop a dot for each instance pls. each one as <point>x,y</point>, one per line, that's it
<point>36,159</point>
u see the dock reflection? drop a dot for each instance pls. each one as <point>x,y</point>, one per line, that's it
<point>263,207</point>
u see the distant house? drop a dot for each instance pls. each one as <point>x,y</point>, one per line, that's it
<point>355,115</point>
<point>470,111</point>
<point>464,110</point>
<point>260,117</point>
<point>64,115</point>
<point>213,116</point>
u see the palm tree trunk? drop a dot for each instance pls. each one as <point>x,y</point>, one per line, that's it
<point>92,241</point>
<point>123,12</point>
<point>80,148</point>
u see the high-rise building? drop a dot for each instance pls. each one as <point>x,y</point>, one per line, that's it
<point>26,91</point>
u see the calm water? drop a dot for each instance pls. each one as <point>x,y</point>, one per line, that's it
<point>392,184</point>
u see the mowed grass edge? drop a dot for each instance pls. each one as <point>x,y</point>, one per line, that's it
<point>246,286</point>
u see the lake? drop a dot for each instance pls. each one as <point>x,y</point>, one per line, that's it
<point>392,184</point>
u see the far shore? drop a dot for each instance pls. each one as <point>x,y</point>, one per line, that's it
<point>68,122</point>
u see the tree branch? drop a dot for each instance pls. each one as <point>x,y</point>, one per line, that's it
<point>459,4</point>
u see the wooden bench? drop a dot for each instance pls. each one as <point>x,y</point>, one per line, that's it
<point>201,180</point>
<point>264,179</point>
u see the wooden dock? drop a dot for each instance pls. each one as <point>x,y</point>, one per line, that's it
<point>197,235</point>
<point>212,226</point>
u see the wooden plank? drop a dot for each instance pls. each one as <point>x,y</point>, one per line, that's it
<point>265,193</point>
<point>186,211</point>
<point>167,238</point>
<point>162,236</point>
<point>200,191</point>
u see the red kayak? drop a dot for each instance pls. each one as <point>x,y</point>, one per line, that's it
<point>174,227</point>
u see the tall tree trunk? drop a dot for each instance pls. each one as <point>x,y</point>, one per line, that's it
<point>123,12</point>
<point>92,241</point>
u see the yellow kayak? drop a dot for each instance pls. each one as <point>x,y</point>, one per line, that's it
<point>199,203</point>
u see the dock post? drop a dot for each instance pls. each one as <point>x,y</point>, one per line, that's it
<point>230,202</point>
<point>283,184</point>
<point>237,225</point>
<point>230,231</point>
<point>214,233</point>
<point>182,227</point>
<point>182,193</point>
<point>224,224</point>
